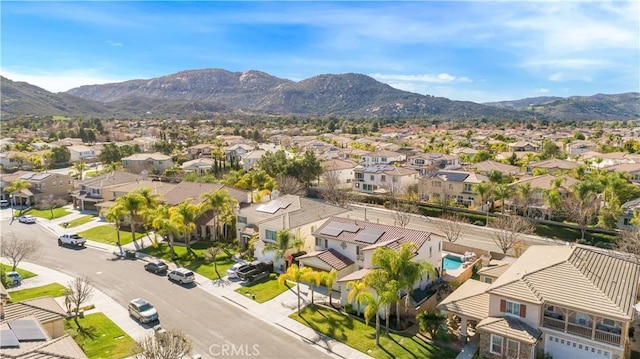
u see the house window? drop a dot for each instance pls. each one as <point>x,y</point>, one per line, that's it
<point>359,176</point>
<point>450,185</point>
<point>242,219</point>
<point>513,349</point>
<point>583,319</point>
<point>608,322</point>
<point>513,308</point>
<point>270,235</point>
<point>419,161</point>
<point>436,184</point>
<point>322,243</point>
<point>496,344</point>
<point>383,178</point>
<point>372,177</point>
<point>488,280</point>
<point>468,187</point>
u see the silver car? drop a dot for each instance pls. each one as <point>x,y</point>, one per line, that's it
<point>182,276</point>
<point>142,310</point>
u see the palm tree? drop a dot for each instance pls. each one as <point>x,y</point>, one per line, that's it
<point>484,190</point>
<point>184,215</point>
<point>386,293</point>
<point>357,287</point>
<point>502,192</point>
<point>312,278</point>
<point>294,274</point>
<point>329,278</point>
<point>430,321</point>
<point>133,204</point>
<point>151,200</point>
<point>115,214</point>
<point>80,166</point>
<point>221,203</point>
<point>16,186</point>
<point>285,241</point>
<point>164,225</point>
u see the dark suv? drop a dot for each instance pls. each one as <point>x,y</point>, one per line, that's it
<point>255,269</point>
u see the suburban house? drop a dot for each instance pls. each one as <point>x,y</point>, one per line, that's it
<point>552,166</point>
<point>237,151</point>
<point>452,186</point>
<point>523,146</point>
<point>382,157</point>
<point>489,166</point>
<point>199,166</point>
<point>382,179</point>
<point>44,186</point>
<point>338,171</point>
<point>13,159</point>
<point>600,160</point>
<point>572,302</point>
<point>354,154</point>
<point>347,245</point>
<point>539,186</point>
<point>426,163</point>
<point>153,163</point>
<point>201,150</point>
<point>35,329</point>
<point>628,209</point>
<point>630,169</point>
<point>301,216</point>
<point>82,153</point>
<point>576,148</point>
<point>251,158</point>
<point>92,191</point>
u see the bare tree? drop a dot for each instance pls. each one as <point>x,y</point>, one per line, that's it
<point>17,250</point>
<point>170,344</point>
<point>332,192</point>
<point>211,254</point>
<point>403,213</point>
<point>79,291</point>
<point>452,226</point>
<point>290,185</point>
<point>629,242</point>
<point>582,210</point>
<point>508,230</point>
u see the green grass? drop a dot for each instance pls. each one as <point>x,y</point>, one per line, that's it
<point>46,213</point>
<point>572,234</point>
<point>79,221</point>
<point>53,289</point>
<point>362,337</point>
<point>60,118</point>
<point>90,174</point>
<point>24,274</point>
<point>197,264</point>
<point>264,289</point>
<point>108,234</point>
<point>100,337</point>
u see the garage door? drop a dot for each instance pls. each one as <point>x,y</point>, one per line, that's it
<point>560,347</point>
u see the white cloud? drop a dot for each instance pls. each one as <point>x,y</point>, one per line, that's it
<point>442,78</point>
<point>60,82</point>
<point>114,43</point>
<point>542,90</point>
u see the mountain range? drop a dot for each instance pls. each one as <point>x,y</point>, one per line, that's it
<point>216,91</point>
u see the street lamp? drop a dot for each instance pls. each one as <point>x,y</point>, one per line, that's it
<point>11,204</point>
<point>486,224</point>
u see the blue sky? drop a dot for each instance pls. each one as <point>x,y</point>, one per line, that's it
<point>465,50</point>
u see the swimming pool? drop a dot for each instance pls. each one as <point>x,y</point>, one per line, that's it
<point>451,262</point>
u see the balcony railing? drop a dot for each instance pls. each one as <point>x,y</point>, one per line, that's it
<point>553,323</point>
<point>610,337</point>
<point>607,337</point>
<point>578,329</point>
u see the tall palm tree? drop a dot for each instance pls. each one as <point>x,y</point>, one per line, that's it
<point>502,192</point>
<point>313,278</point>
<point>294,274</point>
<point>115,214</point>
<point>329,278</point>
<point>16,186</point>
<point>80,166</point>
<point>357,287</point>
<point>184,216</point>
<point>222,204</point>
<point>284,241</point>
<point>484,190</point>
<point>151,200</point>
<point>385,295</point>
<point>164,225</point>
<point>133,204</point>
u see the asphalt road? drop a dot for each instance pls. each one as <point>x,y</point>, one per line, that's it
<point>209,321</point>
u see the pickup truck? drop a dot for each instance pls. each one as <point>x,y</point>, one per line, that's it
<point>255,269</point>
<point>71,239</point>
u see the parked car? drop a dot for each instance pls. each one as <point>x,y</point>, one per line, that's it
<point>4,203</point>
<point>14,278</point>
<point>233,271</point>
<point>156,267</point>
<point>72,239</point>
<point>182,275</point>
<point>255,269</point>
<point>142,310</point>
<point>27,218</point>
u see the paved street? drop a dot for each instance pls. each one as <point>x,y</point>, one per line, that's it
<point>211,323</point>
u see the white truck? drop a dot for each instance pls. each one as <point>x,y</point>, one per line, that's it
<point>72,239</point>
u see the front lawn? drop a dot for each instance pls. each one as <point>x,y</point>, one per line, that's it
<point>53,289</point>
<point>46,213</point>
<point>264,289</point>
<point>362,337</point>
<point>24,274</point>
<point>107,234</point>
<point>198,263</point>
<point>99,337</point>
<point>78,221</point>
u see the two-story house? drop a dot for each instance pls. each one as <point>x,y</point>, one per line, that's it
<point>199,166</point>
<point>347,245</point>
<point>237,151</point>
<point>552,166</point>
<point>153,163</point>
<point>94,190</point>
<point>251,158</point>
<point>524,146</point>
<point>382,157</point>
<point>339,172</point>
<point>632,170</point>
<point>383,179</point>
<point>451,186</point>
<point>82,153</point>
<point>426,163</point>
<point>489,166</point>
<point>536,204</point>
<point>570,302</point>
<point>576,148</point>
<point>43,186</point>
<point>201,150</point>
<point>300,215</point>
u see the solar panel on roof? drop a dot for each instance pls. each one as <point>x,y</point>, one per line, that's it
<point>369,235</point>
<point>454,176</point>
<point>335,228</point>
<point>273,206</point>
<point>27,329</point>
<point>8,339</point>
<point>27,175</point>
<point>41,176</point>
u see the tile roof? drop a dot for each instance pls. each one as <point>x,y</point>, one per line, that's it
<point>510,327</point>
<point>357,275</point>
<point>553,163</point>
<point>110,179</point>
<point>300,211</point>
<point>337,164</point>
<point>470,299</point>
<point>145,156</point>
<point>494,271</point>
<point>489,165</point>
<point>159,188</point>
<point>45,309</point>
<point>546,181</point>
<point>332,257</point>
<point>194,190</point>
<point>603,281</point>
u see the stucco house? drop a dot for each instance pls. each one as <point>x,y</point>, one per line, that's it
<point>199,165</point>
<point>382,157</point>
<point>44,186</point>
<point>338,171</point>
<point>451,186</point>
<point>572,302</point>
<point>153,163</point>
<point>382,179</point>
<point>578,147</point>
<point>94,190</point>
<point>552,166</point>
